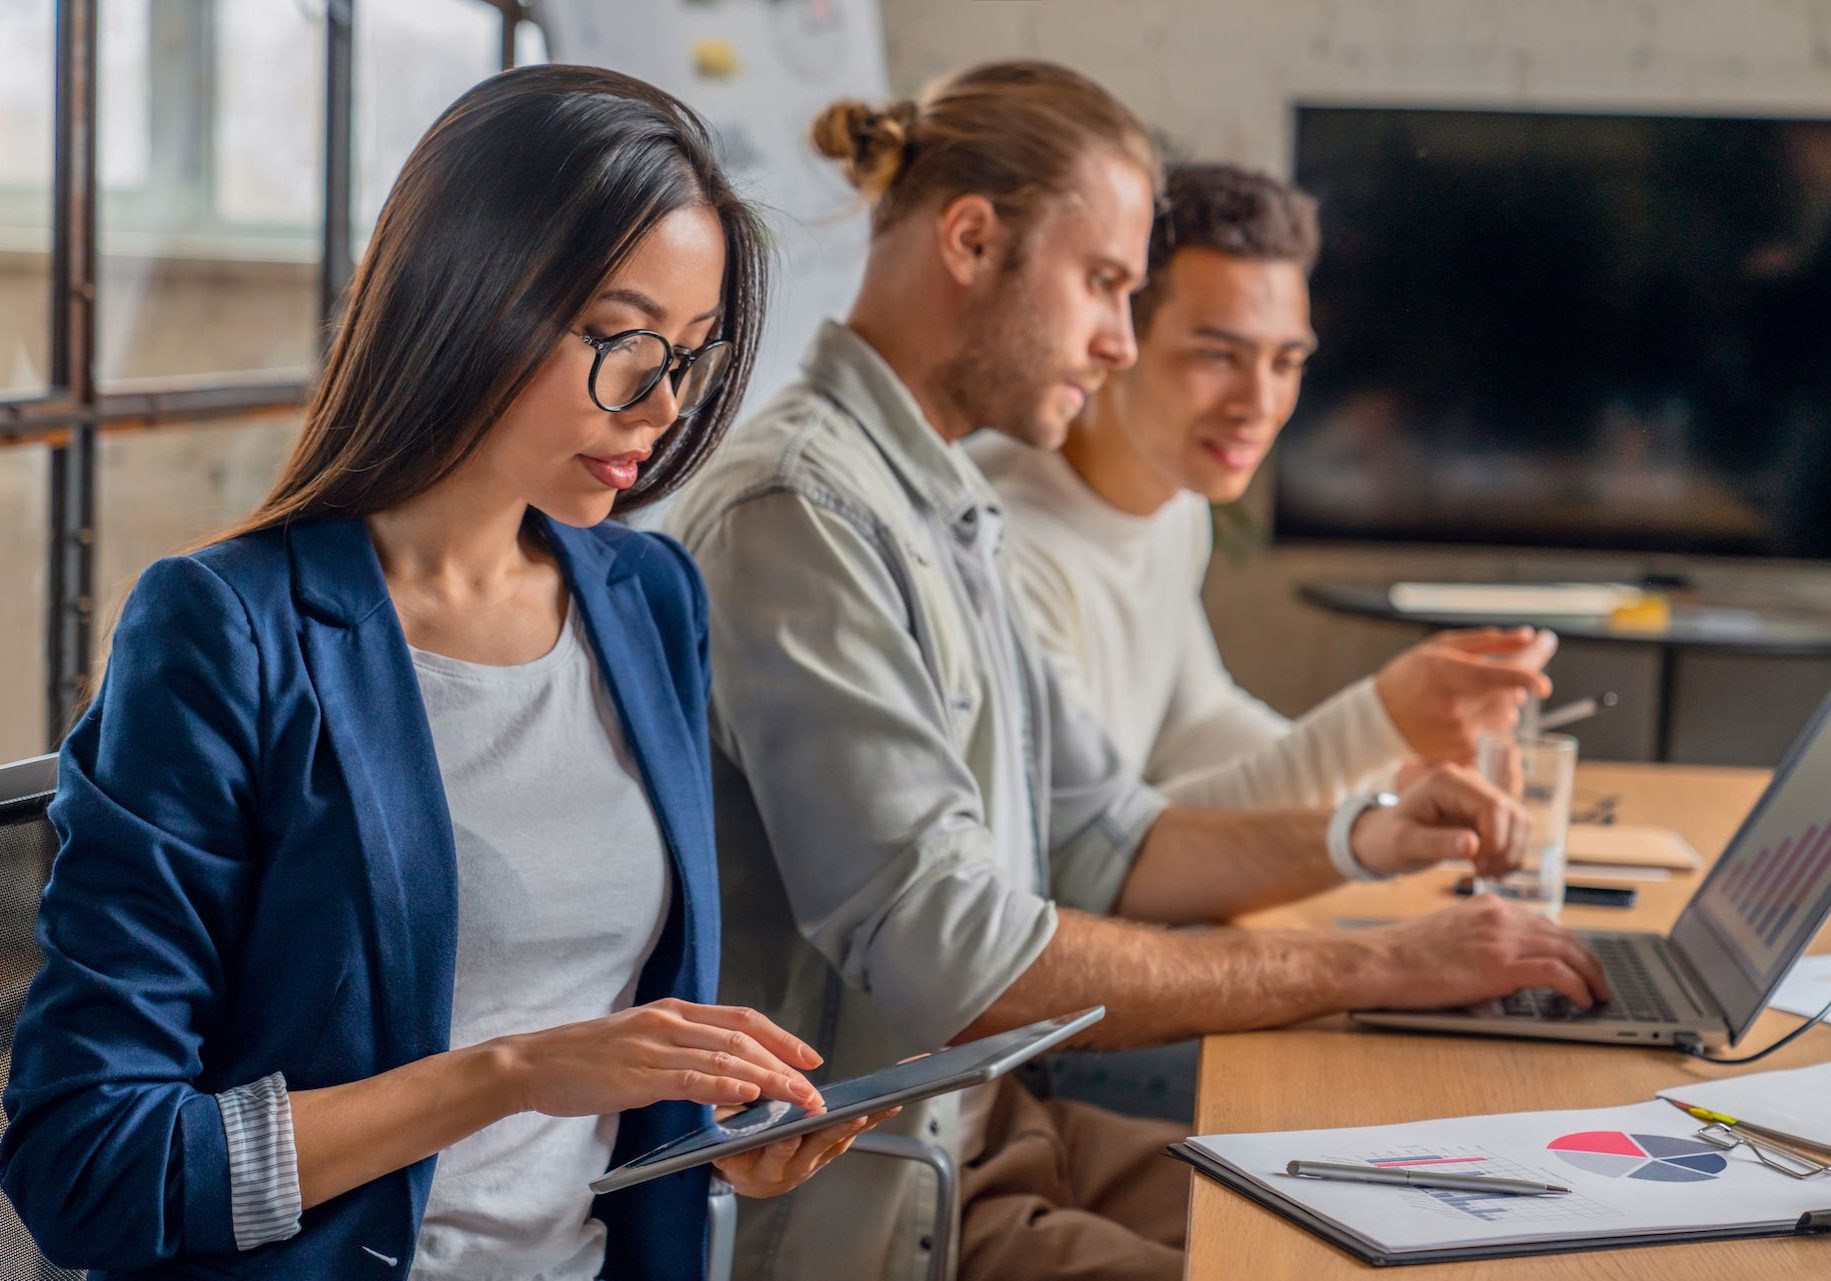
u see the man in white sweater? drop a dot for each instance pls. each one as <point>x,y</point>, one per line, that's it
<point>1110,538</point>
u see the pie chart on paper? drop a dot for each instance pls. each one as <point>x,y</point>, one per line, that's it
<point>1640,1156</point>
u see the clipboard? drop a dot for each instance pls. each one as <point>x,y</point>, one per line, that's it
<point>1812,1223</point>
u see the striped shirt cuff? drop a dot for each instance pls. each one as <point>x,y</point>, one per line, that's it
<point>263,1164</point>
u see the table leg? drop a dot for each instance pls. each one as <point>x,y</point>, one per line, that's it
<point>1668,699</point>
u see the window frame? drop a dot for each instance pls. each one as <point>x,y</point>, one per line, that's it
<point>70,413</point>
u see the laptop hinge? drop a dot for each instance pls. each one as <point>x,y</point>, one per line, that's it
<point>1693,981</point>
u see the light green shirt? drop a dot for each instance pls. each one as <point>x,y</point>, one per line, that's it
<point>904,793</point>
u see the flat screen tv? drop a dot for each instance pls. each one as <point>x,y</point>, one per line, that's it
<point>1564,330</point>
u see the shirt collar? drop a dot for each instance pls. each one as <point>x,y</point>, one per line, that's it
<point>846,368</point>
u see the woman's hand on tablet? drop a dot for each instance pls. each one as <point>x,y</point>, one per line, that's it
<point>782,1167</point>
<point>717,1054</point>
<point>347,1135</point>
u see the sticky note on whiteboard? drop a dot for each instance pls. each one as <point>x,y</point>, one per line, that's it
<point>716,59</point>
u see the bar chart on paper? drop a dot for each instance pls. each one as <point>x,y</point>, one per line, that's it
<point>1488,1207</point>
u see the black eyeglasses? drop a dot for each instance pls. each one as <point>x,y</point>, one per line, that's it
<point>632,364</point>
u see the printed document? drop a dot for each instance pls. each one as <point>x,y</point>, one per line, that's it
<point>1807,987</point>
<point>1634,1172</point>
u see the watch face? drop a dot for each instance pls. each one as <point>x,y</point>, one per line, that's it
<point>811,36</point>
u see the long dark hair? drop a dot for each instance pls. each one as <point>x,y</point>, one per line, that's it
<point>523,196</point>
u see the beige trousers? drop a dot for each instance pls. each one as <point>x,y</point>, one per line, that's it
<point>1070,1192</point>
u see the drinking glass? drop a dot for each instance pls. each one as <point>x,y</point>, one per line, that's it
<point>1539,772</point>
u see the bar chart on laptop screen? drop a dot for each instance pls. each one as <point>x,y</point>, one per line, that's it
<point>1774,880</point>
<point>1773,889</point>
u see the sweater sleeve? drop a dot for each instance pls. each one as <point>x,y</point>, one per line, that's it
<point>1210,721</point>
<point>1333,750</point>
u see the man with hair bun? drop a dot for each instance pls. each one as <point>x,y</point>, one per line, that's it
<point>922,838</point>
<point>1110,538</point>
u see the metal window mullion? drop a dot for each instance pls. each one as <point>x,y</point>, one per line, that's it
<point>197,404</point>
<point>71,567</point>
<point>514,13</point>
<point>72,577</point>
<point>30,419</point>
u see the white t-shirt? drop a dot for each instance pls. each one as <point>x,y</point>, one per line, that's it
<point>563,888</point>
<point>1116,600</point>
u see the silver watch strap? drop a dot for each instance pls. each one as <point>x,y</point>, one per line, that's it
<point>1341,827</point>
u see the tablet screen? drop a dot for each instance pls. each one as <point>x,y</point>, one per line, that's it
<point>764,1122</point>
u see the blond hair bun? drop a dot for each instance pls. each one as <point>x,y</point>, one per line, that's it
<point>870,143</point>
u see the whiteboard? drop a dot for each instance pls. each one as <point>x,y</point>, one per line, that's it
<point>757,71</point>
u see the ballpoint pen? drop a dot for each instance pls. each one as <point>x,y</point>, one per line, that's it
<point>1570,713</point>
<point>1421,1179</point>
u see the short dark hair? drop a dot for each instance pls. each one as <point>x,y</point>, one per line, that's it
<point>1232,211</point>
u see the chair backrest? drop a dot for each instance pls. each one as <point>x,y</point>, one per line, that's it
<point>27,844</point>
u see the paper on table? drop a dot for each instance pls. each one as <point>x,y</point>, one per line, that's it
<point>1632,844</point>
<point>1807,987</point>
<point>1634,1171</point>
<point>1618,872</point>
<point>1519,599</point>
<point>1796,1102</point>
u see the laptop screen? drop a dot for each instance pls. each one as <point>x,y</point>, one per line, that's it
<point>1766,898</point>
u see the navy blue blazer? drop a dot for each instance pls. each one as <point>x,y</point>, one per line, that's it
<point>257,874</point>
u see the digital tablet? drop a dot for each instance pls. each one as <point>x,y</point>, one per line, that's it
<point>955,1068</point>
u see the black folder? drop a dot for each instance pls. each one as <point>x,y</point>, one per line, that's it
<point>1816,1222</point>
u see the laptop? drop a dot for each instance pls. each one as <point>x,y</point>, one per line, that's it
<point>29,780</point>
<point>1709,979</point>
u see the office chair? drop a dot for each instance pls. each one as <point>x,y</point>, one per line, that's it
<point>27,844</point>
<point>941,1240</point>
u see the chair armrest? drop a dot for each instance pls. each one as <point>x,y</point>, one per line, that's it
<point>721,1230</point>
<point>942,1243</point>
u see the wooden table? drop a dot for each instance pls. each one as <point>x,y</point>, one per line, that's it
<point>1331,1073</point>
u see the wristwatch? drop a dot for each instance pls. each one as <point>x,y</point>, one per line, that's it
<point>1341,827</point>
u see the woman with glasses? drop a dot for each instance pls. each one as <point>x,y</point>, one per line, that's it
<point>385,916</point>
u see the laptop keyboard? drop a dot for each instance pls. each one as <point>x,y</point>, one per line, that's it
<point>1637,999</point>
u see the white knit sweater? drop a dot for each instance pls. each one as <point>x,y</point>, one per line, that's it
<point>1116,601</point>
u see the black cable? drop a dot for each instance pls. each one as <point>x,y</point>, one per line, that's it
<point>1696,1050</point>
